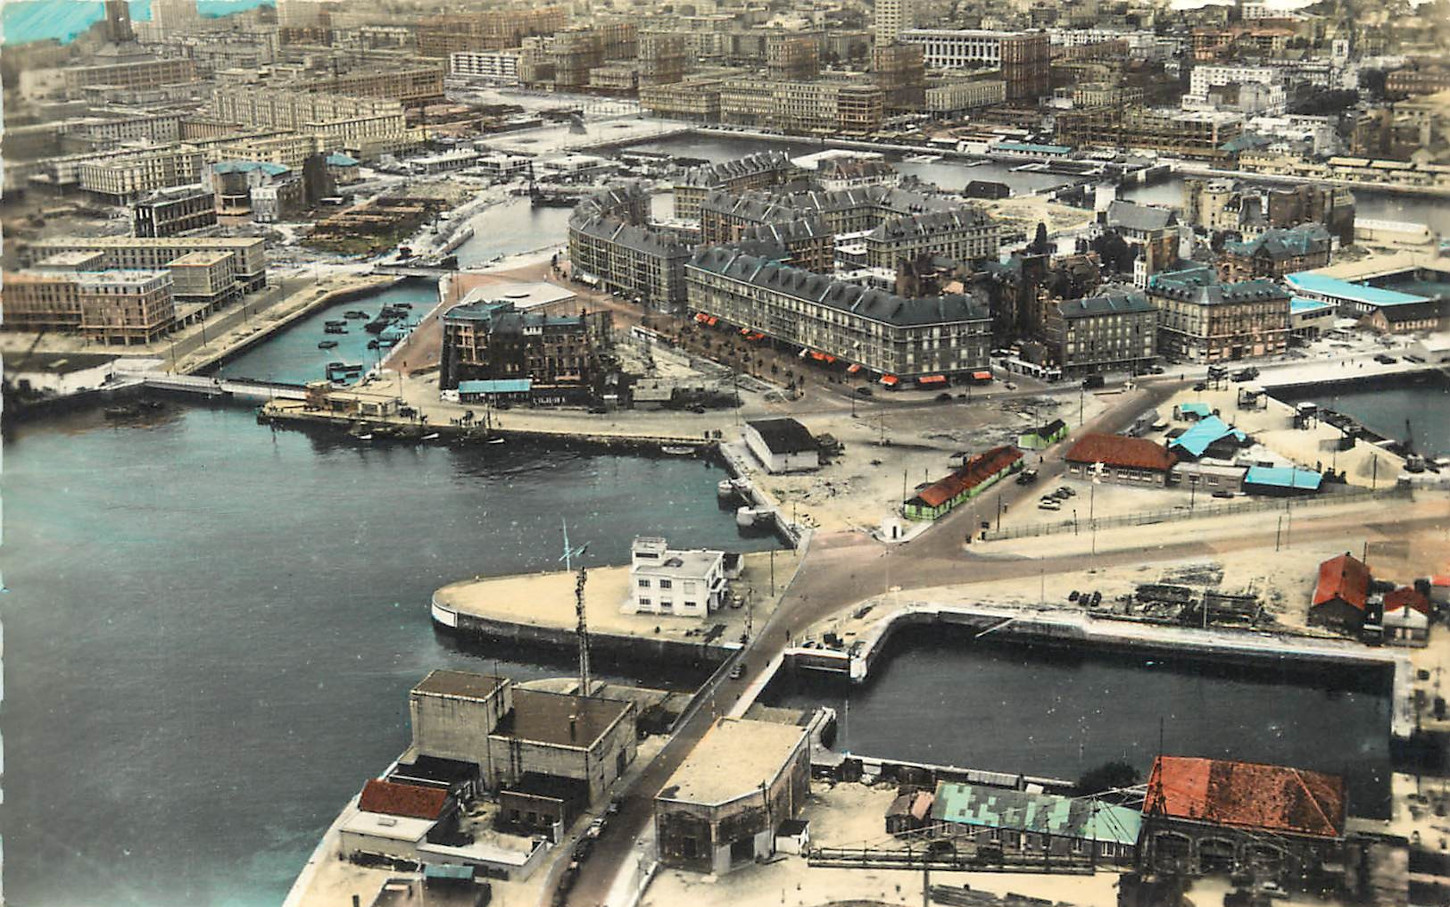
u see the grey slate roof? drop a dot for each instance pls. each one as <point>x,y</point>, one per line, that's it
<point>1139,217</point>
<point>1113,303</point>
<point>924,225</point>
<point>649,240</point>
<point>713,175</point>
<point>876,305</point>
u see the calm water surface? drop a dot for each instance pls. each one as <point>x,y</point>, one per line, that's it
<point>940,698</point>
<point>211,629</point>
<point>291,355</point>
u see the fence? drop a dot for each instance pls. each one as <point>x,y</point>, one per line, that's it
<point>1202,511</point>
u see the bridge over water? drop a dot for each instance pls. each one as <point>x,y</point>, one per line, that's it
<point>242,388</point>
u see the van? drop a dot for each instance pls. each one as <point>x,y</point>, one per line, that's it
<point>1093,381</point>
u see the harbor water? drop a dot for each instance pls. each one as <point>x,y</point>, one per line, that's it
<point>1416,408</point>
<point>939,697</point>
<point>211,630</point>
<point>291,355</point>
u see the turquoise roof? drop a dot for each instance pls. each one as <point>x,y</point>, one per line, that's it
<point>496,386</point>
<point>1283,477</point>
<point>1298,305</point>
<point>248,166</point>
<point>1309,282</point>
<point>338,159</point>
<point>1014,810</point>
<point>1203,433</point>
<point>1195,409</point>
<point>1033,147</point>
<point>450,871</point>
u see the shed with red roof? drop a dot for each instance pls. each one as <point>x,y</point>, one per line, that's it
<point>1341,595</point>
<point>1116,458</point>
<point>1214,815</point>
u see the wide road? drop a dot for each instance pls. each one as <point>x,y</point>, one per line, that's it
<point>841,569</point>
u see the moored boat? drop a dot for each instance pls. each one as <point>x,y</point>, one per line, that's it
<point>677,450</point>
<point>327,345</point>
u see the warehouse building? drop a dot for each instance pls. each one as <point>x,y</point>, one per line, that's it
<point>721,808</point>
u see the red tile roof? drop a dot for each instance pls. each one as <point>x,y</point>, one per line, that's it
<point>973,473</point>
<point>1247,795</point>
<point>1406,597</point>
<point>1345,578</point>
<point>1121,452</point>
<point>407,800</point>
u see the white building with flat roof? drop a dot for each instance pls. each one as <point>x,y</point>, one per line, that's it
<point>664,580</point>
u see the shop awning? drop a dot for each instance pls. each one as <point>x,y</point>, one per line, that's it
<point>755,336</point>
<point>889,380</point>
<point>701,317</point>
<point>745,332</point>
<point>803,354</point>
<point>854,368</point>
<point>982,376</point>
<point>929,380</point>
<point>712,321</point>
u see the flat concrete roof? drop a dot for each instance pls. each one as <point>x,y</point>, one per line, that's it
<point>461,684</point>
<point>733,759</point>
<point>524,295</point>
<point>542,717</point>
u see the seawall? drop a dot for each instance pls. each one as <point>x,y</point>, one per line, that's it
<point>1081,631</point>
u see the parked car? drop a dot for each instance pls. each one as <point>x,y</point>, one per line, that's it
<point>1065,491</point>
<point>944,397</point>
<point>737,671</point>
<point>1200,386</point>
<point>1049,504</point>
<point>596,828</point>
<point>1385,359</point>
<point>1010,386</point>
<point>1223,493</point>
<point>1093,381</point>
<point>1027,477</point>
<point>863,391</point>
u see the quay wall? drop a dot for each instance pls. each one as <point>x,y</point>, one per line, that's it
<point>473,628</point>
<point>331,297</point>
<point>1080,631</point>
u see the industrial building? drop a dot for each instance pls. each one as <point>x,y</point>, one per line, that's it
<point>721,808</point>
<point>1042,826</point>
<point>782,445</point>
<point>1206,816</point>
<point>554,754</point>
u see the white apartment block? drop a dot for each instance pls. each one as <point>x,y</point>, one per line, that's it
<point>494,67</point>
<point>952,48</point>
<point>664,580</point>
<point>1205,77</point>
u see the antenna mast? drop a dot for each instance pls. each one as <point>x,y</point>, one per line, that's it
<point>581,629</point>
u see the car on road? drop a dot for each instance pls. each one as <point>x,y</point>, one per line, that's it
<point>1093,381</point>
<point>1223,493</point>
<point>1009,386</point>
<point>944,397</point>
<point>582,849</point>
<point>697,409</point>
<point>1063,492</point>
<point>1200,387</point>
<point>1385,359</point>
<point>1027,477</point>
<point>596,828</point>
<point>737,671</point>
<point>864,392</point>
<point>1049,504</point>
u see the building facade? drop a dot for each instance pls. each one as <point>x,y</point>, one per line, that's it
<point>967,233</point>
<point>1203,320</point>
<point>1110,332</point>
<point>174,211</point>
<point>882,332</point>
<point>247,257</point>
<point>721,808</point>
<point>494,340</point>
<point>666,581</point>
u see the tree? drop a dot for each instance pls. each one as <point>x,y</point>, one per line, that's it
<point>1108,776</point>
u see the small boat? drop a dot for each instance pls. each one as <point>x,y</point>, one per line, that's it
<point>122,412</point>
<point>334,324</point>
<point>327,345</point>
<point>431,436</point>
<point>372,344</point>
<point>339,328</point>
<point>366,437</point>
<point>677,451</point>
<point>354,314</point>
<point>402,305</point>
<point>495,441</point>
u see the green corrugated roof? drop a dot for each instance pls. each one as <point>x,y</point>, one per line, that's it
<point>1013,810</point>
